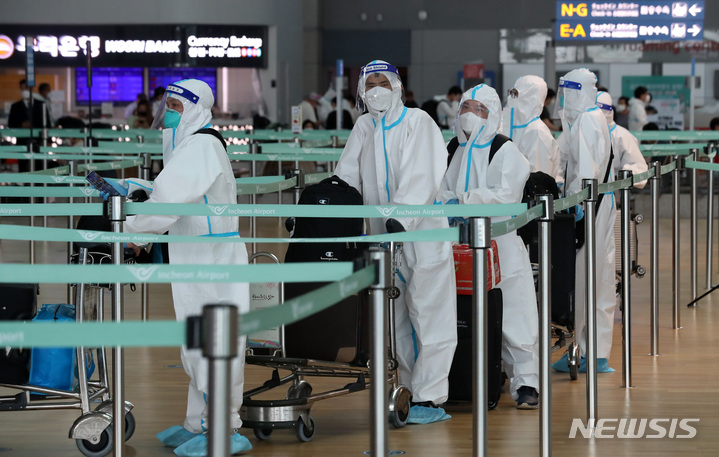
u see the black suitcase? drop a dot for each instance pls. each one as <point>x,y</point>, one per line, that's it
<point>337,333</point>
<point>460,375</point>
<point>18,302</point>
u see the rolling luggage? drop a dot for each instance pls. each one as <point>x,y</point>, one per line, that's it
<point>460,375</point>
<point>337,333</point>
<point>18,302</point>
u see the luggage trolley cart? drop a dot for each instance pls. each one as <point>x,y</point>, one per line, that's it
<point>293,411</point>
<point>92,431</point>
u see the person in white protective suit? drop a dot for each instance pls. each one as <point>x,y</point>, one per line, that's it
<point>396,156</point>
<point>472,179</point>
<point>587,148</point>
<point>197,170</point>
<point>521,123</point>
<point>627,155</point>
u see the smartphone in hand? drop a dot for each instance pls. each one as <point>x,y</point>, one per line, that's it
<point>99,183</point>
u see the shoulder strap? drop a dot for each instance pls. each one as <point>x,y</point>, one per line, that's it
<point>497,143</point>
<point>452,146</point>
<point>214,133</point>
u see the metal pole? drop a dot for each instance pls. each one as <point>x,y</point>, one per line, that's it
<point>31,150</point>
<point>140,168</point>
<point>116,212</point>
<point>694,222</point>
<point>545,324</point>
<point>220,330</point>
<point>480,238</point>
<point>254,149</point>
<point>44,133</point>
<point>379,394</point>
<point>71,223</point>
<point>335,145</point>
<point>676,251</point>
<point>626,285</point>
<point>145,169</point>
<point>300,184</point>
<point>711,152</point>
<point>590,246</point>
<point>654,260</point>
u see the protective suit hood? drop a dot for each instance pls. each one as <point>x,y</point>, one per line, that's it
<point>489,127</point>
<point>604,102</point>
<point>197,101</point>
<point>579,97</point>
<point>526,104</point>
<point>396,106</point>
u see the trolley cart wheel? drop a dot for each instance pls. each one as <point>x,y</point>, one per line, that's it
<point>399,403</point>
<point>100,449</point>
<point>305,433</point>
<point>640,271</point>
<point>130,423</point>
<point>393,292</point>
<point>262,434</point>
<point>573,361</point>
<point>638,218</point>
<point>302,389</point>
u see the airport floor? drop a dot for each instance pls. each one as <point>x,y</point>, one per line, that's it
<point>680,383</point>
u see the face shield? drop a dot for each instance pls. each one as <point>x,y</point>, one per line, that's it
<point>567,92</point>
<point>379,88</point>
<point>479,115</point>
<point>166,117</point>
<point>604,102</point>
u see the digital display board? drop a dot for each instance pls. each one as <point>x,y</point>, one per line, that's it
<point>658,20</point>
<point>137,45</point>
<point>161,77</point>
<point>109,84</point>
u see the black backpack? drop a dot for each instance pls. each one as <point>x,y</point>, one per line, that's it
<point>329,191</point>
<point>214,133</point>
<point>538,183</point>
<point>430,107</point>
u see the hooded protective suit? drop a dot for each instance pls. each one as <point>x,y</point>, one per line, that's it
<point>637,114</point>
<point>471,180</point>
<point>197,170</point>
<point>627,155</point>
<point>588,142</point>
<point>396,156</point>
<point>521,123</point>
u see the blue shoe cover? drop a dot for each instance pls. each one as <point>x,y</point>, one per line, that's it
<point>561,365</point>
<point>197,447</point>
<point>175,436</point>
<point>425,415</point>
<point>602,366</point>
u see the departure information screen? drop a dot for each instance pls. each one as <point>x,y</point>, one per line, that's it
<point>109,84</point>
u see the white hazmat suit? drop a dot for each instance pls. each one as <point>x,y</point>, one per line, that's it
<point>396,156</point>
<point>588,151</point>
<point>197,170</point>
<point>521,123</point>
<point>627,155</point>
<point>472,180</point>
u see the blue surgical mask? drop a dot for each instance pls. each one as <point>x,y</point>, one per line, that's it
<point>172,118</point>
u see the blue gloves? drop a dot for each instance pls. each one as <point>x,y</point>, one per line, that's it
<point>122,190</point>
<point>578,214</point>
<point>455,220</point>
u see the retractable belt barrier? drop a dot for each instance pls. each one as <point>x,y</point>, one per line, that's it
<point>173,333</point>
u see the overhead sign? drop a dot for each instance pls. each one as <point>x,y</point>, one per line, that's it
<point>663,20</point>
<point>228,46</point>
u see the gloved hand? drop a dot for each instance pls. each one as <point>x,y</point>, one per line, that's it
<point>394,226</point>
<point>453,201</point>
<point>578,213</point>
<point>120,188</point>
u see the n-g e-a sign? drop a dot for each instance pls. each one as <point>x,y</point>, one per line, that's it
<point>630,21</point>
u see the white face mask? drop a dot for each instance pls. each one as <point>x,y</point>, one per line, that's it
<point>26,95</point>
<point>469,121</point>
<point>378,99</point>
<point>621,107</point>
